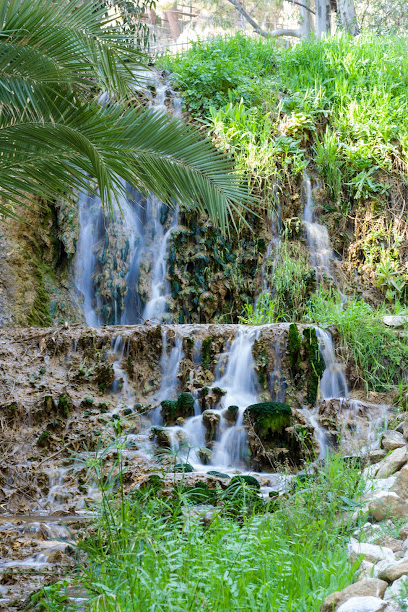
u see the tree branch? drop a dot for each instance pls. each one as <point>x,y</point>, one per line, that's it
<point>302,5</point>
<point>258,29</point>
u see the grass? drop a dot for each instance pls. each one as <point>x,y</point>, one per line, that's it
<point>151,552</point>
<point>381,356</point>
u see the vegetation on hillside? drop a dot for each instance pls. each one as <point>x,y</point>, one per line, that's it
<point>337,108</point>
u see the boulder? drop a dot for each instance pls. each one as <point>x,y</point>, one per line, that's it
<point>370,552</point>
<point>397,321</point>
<point>387,504</point>
<point>368,587</point>
<point>375,456</point>
<point>392,463</point>
<point>405,429</point>
<point>394,571</point>
<point>392,594</point>
<point>268,417</point>
<point>363,604</point>
<point>400,486</point>
<point>392,439</point>
<point>183,407</point>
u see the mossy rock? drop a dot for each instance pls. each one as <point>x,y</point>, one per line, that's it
<point>269,417</point>
<point>206,353</point>
<point>245,479</point>
<point>127,411</point>
<point>218,474</point>
<point>183,407</point>
<point>64,405</point>
<point>316,361</point>
<point>43,439</point>
<point>183,467</point>
<point>294,347</point>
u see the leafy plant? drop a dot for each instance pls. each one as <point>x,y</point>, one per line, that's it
<point>55,59</point>
<point>381,357</point>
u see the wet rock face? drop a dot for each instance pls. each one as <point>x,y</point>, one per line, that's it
<point>36,283</point>
<point>211,275</point>
<point>272,440</point>
<point>57,384</point>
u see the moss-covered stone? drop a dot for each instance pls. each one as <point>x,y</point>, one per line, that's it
<point>245,479</point>
<point>182,407</point>
<point>218,474</point>
<point>206,353</point>
<point>294,348</point>
<point>183,467</point>
<point>43,439</point>
<point>64,406</point>
<point>316,363</point>
<point>269,417</point>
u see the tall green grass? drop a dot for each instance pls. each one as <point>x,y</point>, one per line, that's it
<point>379,352</point>
<point>151,552</point>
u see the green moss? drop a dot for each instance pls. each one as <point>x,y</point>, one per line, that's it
<point>183,407</point>
<point>88,401</point>
<point>183,467</point>
<point>40,315</point>
<point>127,411</point>
<point>269,417</point>
<point>218,474</point>
<point>206,353</point>
<point>64,404</point>
<point>43,438</point>
<point>316,362</point>
<point>245,479</point>
<point>294,346</point>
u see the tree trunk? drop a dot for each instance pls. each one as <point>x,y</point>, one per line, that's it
<point>306,23</point>
<point>174,24</point>
<point>347,16</point>
<point>323,18</point>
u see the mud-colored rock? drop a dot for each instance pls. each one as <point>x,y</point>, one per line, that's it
<point>391,440</point>
<point>394,571</point>
<point>400,486</point>
<point>392,463</point>
<point>388,504</point>
<point>368,587</point>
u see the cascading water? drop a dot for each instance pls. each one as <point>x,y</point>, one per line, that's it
<point>321,252</point>
<point>333,383</point>
<point>240,388</point>
<point>120,266</point>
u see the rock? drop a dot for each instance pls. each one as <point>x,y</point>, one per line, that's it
<point>392,463</point>
<point>403,533</point>
<point>368,587</point>
<point>161,436</point>
<point>394,571</point>
<point>370,552</point>
<point>387,504</point>
<point>363,604</point>
<point>400,486</point>
<point>268,417</point>
<point>392,594</point>
<point>395,320</point>
<point>392,439</point>
<point>365,570</point>
<point>405,428</point>
<point>390,542</point>
<point>183,407</point>
<point>211,421</point>
<point>375,456</point>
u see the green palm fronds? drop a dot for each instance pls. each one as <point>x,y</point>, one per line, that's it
<point>55,59</point>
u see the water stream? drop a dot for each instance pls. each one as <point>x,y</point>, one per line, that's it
<point>318,240</point>
<point>121,260</point>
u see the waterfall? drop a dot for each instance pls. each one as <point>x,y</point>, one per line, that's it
<point>121,260</point>
<point>240,388</point>
<point>321,252</point>
<point>333,383</point>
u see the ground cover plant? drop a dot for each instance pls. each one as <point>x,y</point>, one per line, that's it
<point>150,551</point>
